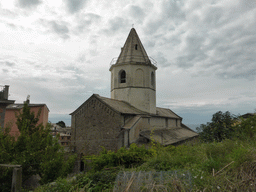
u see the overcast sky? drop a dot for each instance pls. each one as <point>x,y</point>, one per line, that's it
<point>59,51</point>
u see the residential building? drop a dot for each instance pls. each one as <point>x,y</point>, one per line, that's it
<point>4,102</point>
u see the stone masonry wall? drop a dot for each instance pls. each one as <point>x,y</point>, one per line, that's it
<point>96,125</point>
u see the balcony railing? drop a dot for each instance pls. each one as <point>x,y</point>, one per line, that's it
<point>136,59</point>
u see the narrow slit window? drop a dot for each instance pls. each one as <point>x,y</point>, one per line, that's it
<point>122,77</point>
<point>152,79</point>
<point>136,46</point>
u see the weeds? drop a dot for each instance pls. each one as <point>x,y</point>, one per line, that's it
<point>229,165</point>
<point>98,181</point>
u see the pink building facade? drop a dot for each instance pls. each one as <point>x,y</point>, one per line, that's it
<point>13,109</point>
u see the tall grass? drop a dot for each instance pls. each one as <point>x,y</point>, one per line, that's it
<point>229,165</point>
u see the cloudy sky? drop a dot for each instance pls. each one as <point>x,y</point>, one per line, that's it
<point>59,51</point>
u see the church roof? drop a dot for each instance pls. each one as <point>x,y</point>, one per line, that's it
<point>121,106</point>
<point>133,51</point>
<point>165,112</point>
<point>126,108</point>
<point>169,136</point>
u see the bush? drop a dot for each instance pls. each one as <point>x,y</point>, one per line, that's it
<point>246,128</point>
<point>132,157</point>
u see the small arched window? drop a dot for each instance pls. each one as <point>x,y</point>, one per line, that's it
<point>152,78</point>
<point>122,77</point>
<point>136,46</point>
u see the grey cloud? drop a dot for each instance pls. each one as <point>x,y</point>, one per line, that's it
<point>10,64</point>
<point>75,5</point>
<point>94,40</point>
<point>207,45</point>
<point>85,21</point>
<point>150,43</point>
<point>192,52</point>
<point>8,13</point>
<point>244,69</point>
<point>173,10</point>
<point>235,60</point>
<point>93,52</point>
<point>185,61</point>
<point>161,60</point>
<point>136,13</point>
<point>7,63</point>
<point>213,16</point>
<point>242,7</point>
<point>11,25</point>
<point>115,24</point>
<point>28,3</point>
<point>215,44</point>
<point>5,70</point>
<point>40,79</point>
<point>248,74</point>
<point>234,98</point>
<point>170,16</point>
<point>82,58</point>
<point>58,27</point>
<point>152,26</point>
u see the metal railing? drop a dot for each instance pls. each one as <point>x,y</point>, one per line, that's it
<point>129,58</point>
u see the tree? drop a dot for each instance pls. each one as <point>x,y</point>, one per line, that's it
<point>221,127</point>
<point>61,123</point>
<point>35,149</point>
<point>245,128</point>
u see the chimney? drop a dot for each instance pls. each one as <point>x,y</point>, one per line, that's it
<point>28,99</point>
<point>6,92</point>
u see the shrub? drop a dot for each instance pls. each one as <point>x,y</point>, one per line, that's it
<point>132,157</point>
<point>92,181</point>
<point>246,128</point>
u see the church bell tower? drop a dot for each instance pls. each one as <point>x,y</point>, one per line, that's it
<point>133,77</point>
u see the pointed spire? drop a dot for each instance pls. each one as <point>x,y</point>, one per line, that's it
<point>133,50</point>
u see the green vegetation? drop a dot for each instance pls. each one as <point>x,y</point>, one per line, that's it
<point>61,124</point>
<point>219,129</point>
<point>223,158</point>
<point>225,166</point>
<point>225,161</point>
<point>35,149</point>
<point>133,157</point>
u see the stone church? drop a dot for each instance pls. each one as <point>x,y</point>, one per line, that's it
<point>130,115</point>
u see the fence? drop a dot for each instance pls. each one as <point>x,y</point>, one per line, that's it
<point>153,181</point>
<point>16,177</point>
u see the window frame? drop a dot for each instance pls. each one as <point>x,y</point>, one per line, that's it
<point>122,76</point>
